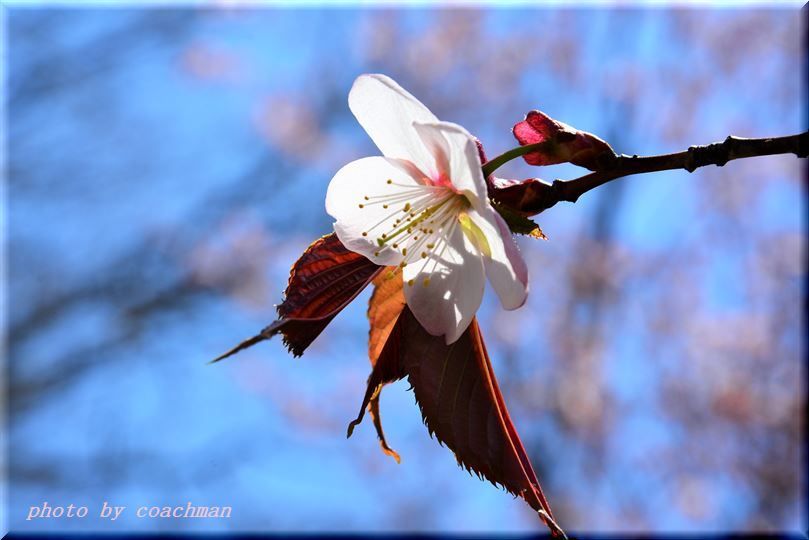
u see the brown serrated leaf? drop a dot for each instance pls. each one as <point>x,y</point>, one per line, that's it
<point>461,404</point>
<point>321,283</point>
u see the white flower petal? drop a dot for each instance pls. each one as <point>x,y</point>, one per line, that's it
<point>505,267</point>
<point>388,188</point>
<point>464,161</point>
<point>387,111</point>
<point>448,302</point>
<point>439,149</point>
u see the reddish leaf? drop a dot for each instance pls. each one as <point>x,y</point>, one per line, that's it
<point>562,143</point>
<point>384,308</point>
<point>321,283</point>
<point>461,404</point>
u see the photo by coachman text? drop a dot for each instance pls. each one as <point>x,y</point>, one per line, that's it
<point>111,512</point>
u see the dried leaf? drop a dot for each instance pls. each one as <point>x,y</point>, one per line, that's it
<point>321,283</point>
<point>386,369</point>
<point>461,404</point>
<point>384,307</point>
<point>562,143</point>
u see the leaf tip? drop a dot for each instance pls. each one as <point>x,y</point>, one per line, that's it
<point>240,347</point>
<point>351,426</point>
<point>538,234</point>
<point>391,452</point>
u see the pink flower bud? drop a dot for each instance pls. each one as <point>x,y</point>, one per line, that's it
<point>563,144</point>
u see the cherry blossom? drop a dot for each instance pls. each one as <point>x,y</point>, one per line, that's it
<point>422,208</point>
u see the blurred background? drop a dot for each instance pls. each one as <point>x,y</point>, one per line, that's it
<point>167,166</point>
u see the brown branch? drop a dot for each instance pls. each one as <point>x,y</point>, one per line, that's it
<point>695,157</point>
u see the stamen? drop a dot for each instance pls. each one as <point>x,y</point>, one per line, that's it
<point>411,234</point>
<point>400,195</point>
<point>445,212</point>
<point>421,201</point>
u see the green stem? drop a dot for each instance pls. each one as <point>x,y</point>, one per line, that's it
<point>492,165</point>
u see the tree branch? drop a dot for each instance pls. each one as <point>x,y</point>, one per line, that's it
<point>695,157</point>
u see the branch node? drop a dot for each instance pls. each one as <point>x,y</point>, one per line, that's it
<point>558,192</point>
<point>690,159</point>
<point>802,145</point>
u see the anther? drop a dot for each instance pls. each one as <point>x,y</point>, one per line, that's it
<point>362,206</point>
<point>365,234</point>
<point>423,254</point>
<point>410,282</point>
<point>390,181</point>
<point>404,251</point>
<point>426,281</point>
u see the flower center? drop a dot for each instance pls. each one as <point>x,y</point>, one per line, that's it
<point>420,221</point>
